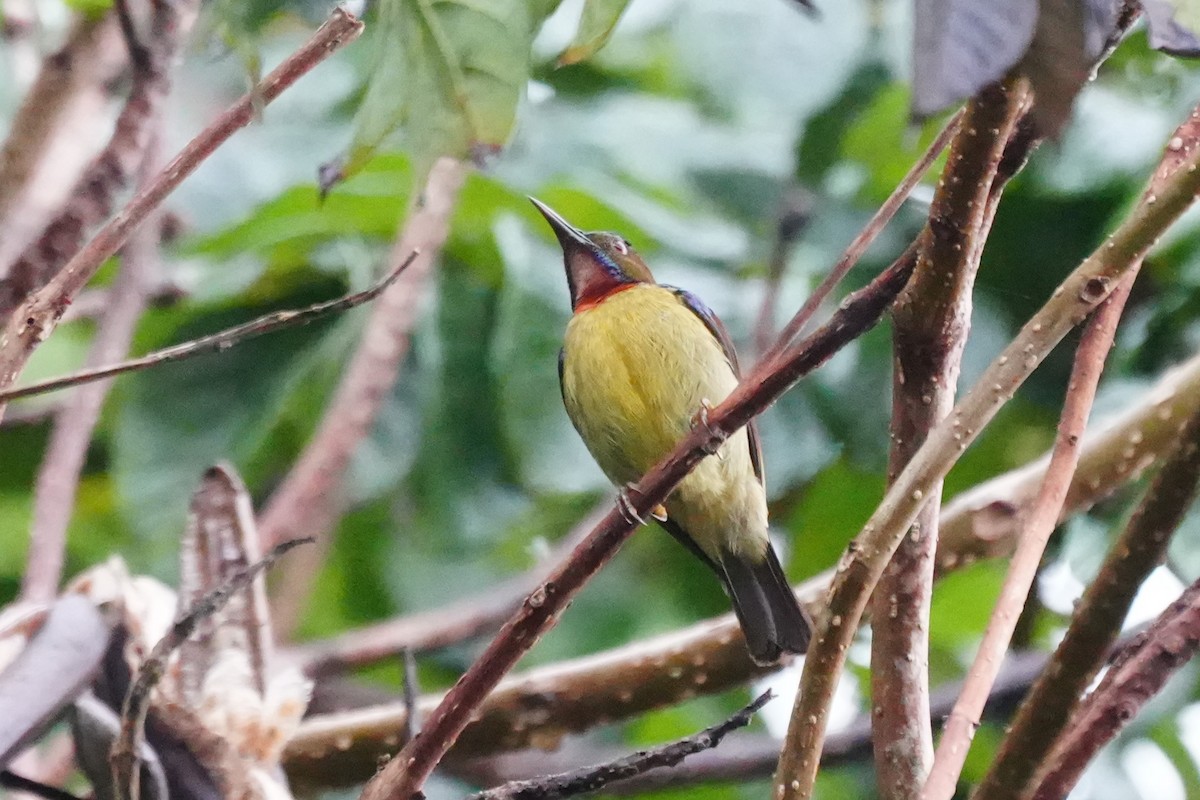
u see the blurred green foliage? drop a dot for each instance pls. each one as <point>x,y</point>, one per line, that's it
<point>683,134</point>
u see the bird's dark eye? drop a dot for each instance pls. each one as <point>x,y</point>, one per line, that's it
<point>621,246</point>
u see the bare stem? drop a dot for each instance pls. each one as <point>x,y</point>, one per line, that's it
<point>593,779</point>
<point>216,342</point>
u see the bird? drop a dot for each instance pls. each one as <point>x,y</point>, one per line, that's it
<point>641,364</point>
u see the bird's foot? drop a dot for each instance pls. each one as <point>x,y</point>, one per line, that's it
<point>700,420</point>
<point>625,504</point>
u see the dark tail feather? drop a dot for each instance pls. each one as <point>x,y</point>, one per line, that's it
<point>772,620</point>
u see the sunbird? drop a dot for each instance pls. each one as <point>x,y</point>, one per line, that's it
<point>641,363</point>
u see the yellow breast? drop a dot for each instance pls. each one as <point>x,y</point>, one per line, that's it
<point>636,369</point>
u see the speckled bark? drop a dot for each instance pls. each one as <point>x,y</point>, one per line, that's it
<point>931,319</point>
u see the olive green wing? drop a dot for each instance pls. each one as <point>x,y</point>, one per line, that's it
<point>717,329</point>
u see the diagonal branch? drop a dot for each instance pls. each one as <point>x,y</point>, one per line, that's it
<point>216,342</point>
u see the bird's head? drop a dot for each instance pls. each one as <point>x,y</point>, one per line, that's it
<point>597,264</point>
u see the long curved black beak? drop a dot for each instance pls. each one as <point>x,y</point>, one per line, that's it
<point>569,237</point>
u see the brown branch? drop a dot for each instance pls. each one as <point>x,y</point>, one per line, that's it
<point>592,779</point>
<point>93,196</point>
<point>58,475</point>
<point>124,756</point>
<point>1138,673</point>
<point>424,631</point>
<point>405,774</point>
<point>854,251</point>
<point>216,342</point>
<point>1082,291</point>
<point>309,500</point>
<point>930,321</point>
<point>39,314</point>
<point>44,153</point>
<point>1098,616</point>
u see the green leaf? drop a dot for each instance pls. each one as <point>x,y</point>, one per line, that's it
<point>450,74</point>
<point>595,26</point>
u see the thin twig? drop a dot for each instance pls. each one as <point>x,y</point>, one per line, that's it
<point>40,313</point>
<point>1141,547</point>
<point>1082,291</point>
<point>406,774</point>
<point>854,251</point>
<point>217,342</point>
<point>124,755</point>
<point>58,475</point>
<point>1138,673</point>
<point>592,779</point>
<point>930,321</point>
<point>309,499</point>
